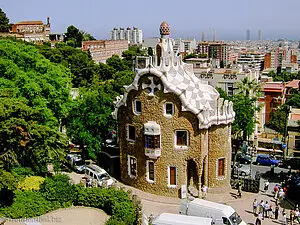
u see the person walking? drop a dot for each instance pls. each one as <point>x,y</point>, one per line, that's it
<point>261,207</point>
<point>258,219</point>
<point>292,217</point>
<point>266,188</point>
<point>204,191</point>
<point>255,205</point>
<point>239,190</point>
<point>276,211</point>
<point>284,220</point>
<point>276,190</point>
<point>266,209</point>
<point>297,215</point>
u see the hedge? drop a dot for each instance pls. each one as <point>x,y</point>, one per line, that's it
<point>56,192</point>
<point>114,202</point>
<point>27,204</point>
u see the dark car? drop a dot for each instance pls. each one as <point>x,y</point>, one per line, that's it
<point>294,163</point>
<point>266,160</point>
<point>242,158</point>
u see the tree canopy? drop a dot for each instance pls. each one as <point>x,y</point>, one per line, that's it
<point>4,22</point>
<point>34,98</point>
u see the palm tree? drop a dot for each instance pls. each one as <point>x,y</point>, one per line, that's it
<point>248,88</point>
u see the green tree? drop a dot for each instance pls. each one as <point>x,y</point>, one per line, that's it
<point>73,34</point>
<point>34,99</point>
<point>87,36</point>
<point>249,88</point>
<point>117,63</point>
<point>90,119</point>
<point>244,123</point>
<point>4,22</point>
<point>278,119</point>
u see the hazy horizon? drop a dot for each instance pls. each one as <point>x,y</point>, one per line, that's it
<point>229,18</point>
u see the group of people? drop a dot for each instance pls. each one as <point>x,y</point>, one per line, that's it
<point>264,209</point>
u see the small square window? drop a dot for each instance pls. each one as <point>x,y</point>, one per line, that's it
<point>169,109</point>
<point>131,133</point>
<point>181,138</point>
<point>137,107</point>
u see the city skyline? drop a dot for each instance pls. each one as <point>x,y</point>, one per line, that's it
<point>230,19</point>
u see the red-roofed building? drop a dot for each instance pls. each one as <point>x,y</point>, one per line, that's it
<point>32,31</point>
<point>291,87</point>
<point>273,96</point>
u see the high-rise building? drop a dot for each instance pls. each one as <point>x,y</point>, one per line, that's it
<point>217,51</point>
<point>133,36</point>
<point>259,35</point>
<point>248,35</point>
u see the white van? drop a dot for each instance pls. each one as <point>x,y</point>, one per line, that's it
<point>221,214</point>
<point>176,219</point>
<point>100,175</point>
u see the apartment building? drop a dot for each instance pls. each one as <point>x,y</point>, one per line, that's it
<point>101,50</point>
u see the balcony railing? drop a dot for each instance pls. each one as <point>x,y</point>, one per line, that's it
<point>152,153</point>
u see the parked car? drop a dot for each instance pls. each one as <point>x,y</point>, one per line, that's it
<point>76,162</point>
<point>95,172</point>
<point>294,163</point>
<point>242,158</point>
<point>241,170</point>
<point>266,160</point>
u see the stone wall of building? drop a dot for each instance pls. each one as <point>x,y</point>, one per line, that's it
<point>153,110</point>
<point>219,147</point>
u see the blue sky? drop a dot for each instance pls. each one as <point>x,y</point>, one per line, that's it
<point>230,18</point>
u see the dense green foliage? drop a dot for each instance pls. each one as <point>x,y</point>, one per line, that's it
<point>244,106</point>
<point>114,202</point>
<point>27,204</point>
<point>90,119</point>
<point>58,190</point>
<point>22,172</point>
<point>4,22</point>
<point>8,183</point>
<point>34,97</point>
<point>284,76</point>
<point>31,183</point>
<point>74,36</point>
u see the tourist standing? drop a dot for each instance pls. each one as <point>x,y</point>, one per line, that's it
<point>276,189</point>
<point>204,191</point>
<point>255,205</point>
<point>297,214</point>
<point>266,188</point>
<point>276,211</point>
<point>258,219</point>
<point>266,209</point>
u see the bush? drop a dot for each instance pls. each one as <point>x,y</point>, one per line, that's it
<point>27,204</point>
<point>125,212</point>
<point>58,190</point>
<point>31,183</point>
<point>21,172</point>
<point>114,202</point>
<point>114,221</point>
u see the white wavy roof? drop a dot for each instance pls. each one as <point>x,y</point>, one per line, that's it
<point>196,96</point>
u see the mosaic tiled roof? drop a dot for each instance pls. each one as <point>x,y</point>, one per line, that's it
<point>177,77</point>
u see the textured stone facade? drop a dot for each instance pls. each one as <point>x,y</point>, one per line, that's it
<point>192,144</point>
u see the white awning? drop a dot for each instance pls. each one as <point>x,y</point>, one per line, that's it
<point>152,128</point>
